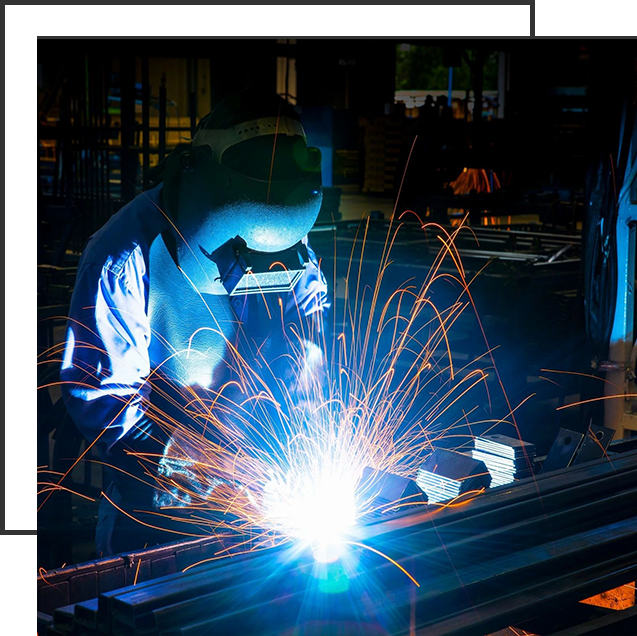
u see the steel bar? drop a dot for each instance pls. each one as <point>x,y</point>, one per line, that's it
<point>445,592</point>
<point>128,155</point>
<point>542,515</point>
<point>530,502</point>
<point>524,530</point>
<point>524,492</point>
<point>44,621</point>
<point>479,618</point>
<point>523,604</point>
<point>516,239</point>
<point>226,585</point>
<point>515,536</point>
<point>135,600</point>
<point>64,618</point>
<point>145,119</point>
<point>541,560</point>
<point>192,95</point>
<point>577,521</point>
<point>86,614</point>
<point>162,117</point>
<point>617,623</point>
<point>598,539</point>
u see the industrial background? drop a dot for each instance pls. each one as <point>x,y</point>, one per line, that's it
<point>530,140</point>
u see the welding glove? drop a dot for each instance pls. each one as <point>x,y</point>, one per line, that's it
<point>182,480</point>
<point>145,439</point>
<point>136,452</point>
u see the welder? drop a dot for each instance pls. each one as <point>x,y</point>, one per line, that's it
<point>158,299</point>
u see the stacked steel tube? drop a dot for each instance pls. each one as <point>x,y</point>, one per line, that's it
<point>515,555</point>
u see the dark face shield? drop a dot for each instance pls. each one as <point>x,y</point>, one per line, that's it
<point>214,204</point>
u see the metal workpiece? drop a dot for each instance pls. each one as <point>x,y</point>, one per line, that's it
<point>515,553</point>
<point>563,450</point>
<point>533,497</point>
<point>526,580</point>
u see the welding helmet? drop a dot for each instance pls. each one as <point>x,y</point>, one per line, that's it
<point>248,173</point>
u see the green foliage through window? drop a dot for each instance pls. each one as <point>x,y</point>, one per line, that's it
<point>422,68</point>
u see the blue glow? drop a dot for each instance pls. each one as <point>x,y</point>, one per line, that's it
<point>332,578</point>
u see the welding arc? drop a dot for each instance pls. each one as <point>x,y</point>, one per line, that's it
<point>519,545</point>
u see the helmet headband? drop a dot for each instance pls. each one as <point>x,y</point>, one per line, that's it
<point>220,139</point>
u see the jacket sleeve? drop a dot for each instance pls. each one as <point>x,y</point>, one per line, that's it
<point>106,363</point>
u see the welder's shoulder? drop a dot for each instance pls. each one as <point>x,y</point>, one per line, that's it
<point>127,234</point>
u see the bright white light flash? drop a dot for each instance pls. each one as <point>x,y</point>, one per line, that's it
<point>315,507</point>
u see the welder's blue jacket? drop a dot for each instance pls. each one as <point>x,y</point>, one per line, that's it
<point>134,318</point>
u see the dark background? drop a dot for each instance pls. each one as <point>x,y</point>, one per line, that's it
<point>551,117</point>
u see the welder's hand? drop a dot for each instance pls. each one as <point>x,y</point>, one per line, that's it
<point>184,480</point>
<point>144,439</point>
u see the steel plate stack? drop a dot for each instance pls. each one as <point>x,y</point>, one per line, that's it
<point>507,458</point>
<point>447,474</point>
